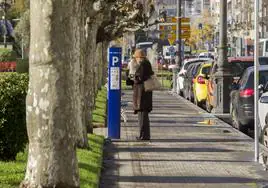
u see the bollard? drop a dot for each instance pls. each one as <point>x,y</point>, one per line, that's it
<point>175,72</point>
<point>114,93</point>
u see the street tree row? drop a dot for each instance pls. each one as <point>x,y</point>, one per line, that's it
<point>68,54</point>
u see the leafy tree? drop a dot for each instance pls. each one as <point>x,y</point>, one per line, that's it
<point>202,30</point>
<point>17,9</point>
<point>22,29</point>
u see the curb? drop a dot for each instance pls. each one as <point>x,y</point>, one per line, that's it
<point>262,148</point>
<point>208,115</point>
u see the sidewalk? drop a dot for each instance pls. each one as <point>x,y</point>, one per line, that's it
<point>189,148</point>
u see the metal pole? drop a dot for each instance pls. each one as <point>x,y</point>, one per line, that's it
<point>223,75</point>
<point>178,33</point>
<point>5,21</point>
<point>22,48</point>
<point>162,81</point>
<point>185,8</point>
<point>256,77</point>
<point>223,35</point>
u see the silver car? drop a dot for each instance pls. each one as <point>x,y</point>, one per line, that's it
<point>263,119</point>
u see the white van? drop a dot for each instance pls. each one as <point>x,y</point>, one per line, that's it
<point>169,51</point>
<point>144,45</point>
<point>263,47</point>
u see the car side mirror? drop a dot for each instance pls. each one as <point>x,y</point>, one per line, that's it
<point>207,76</point>
<point>261,89</point>
<point>264,99</point>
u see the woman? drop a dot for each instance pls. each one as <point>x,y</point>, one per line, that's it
<point>142,100</point>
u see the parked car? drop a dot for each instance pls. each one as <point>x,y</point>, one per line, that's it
<point>242,98</point>
<point>188,80</point>
<point>237,66</point>
<point>263,118</point>
<point>206,55</point>
<point>182,72</point>
<point>200,83</point>
<point>263,60</point>
<point>125,63</point>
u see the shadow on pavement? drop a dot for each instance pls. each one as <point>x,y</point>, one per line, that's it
<point>188,149</point>
<point>185,160</point>
<point>201,140</point>
<point>190,179</point>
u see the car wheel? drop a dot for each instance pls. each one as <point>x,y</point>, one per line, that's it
<point>196,102</point>
<point>208,106</point>
<point>184,93</point>
<point>235,122</point>
<point>264,141</point>
<point>181,93</point>
<point>190,96</point>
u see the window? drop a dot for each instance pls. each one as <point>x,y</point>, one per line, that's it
<point>263,79</point>
<point>261,46</point>
<point>206,70</point>
<point>238,68</point>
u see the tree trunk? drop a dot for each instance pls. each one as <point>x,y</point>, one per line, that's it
<point>99,65</point>
<point>104,62</point>
<point>89,75</point>
<point>53,100</point>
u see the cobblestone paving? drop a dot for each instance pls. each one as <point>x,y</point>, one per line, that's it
<point>185,151</point>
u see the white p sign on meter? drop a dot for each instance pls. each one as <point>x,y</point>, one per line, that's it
<point>115,61</point>
<point>114,69</point>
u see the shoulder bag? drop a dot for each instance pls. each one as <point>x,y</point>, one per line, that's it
<point>152,84</point>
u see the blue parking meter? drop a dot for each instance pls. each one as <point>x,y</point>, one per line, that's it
<point>114,93</point>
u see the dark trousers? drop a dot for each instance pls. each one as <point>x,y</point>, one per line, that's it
<point>144,123</point>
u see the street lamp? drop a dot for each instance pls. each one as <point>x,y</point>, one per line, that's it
<point>256,78</point>
<point>223,77</point>
<point>200,27</point>
<point>178,33</point>
<point>178,45</point>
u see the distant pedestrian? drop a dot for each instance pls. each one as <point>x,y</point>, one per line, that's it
<point>142,101</point>
<point>132,68</point>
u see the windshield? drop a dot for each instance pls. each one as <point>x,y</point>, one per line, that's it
<point>238,68</point>
<point>206,70</point>
<point>191,62</point>
<point>144,46</point>
<point>263,79</point>
<point>263,60</point>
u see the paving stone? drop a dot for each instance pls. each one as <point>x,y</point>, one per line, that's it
<point>182,152</point>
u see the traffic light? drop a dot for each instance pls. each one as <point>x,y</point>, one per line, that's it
<point>163,16</point>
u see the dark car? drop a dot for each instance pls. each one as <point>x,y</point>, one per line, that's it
<point>263,60</point>
<point>237,67</point>
<point>242,98</point>
<point>188,80</point>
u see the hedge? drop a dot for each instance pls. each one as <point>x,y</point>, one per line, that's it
<point>22,66</point>
<point>13,134</point>
<point>7,55</point>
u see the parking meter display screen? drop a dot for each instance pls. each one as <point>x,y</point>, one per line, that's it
<point>115,79</point>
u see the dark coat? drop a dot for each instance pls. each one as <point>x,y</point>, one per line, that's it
<point>142,101</point>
